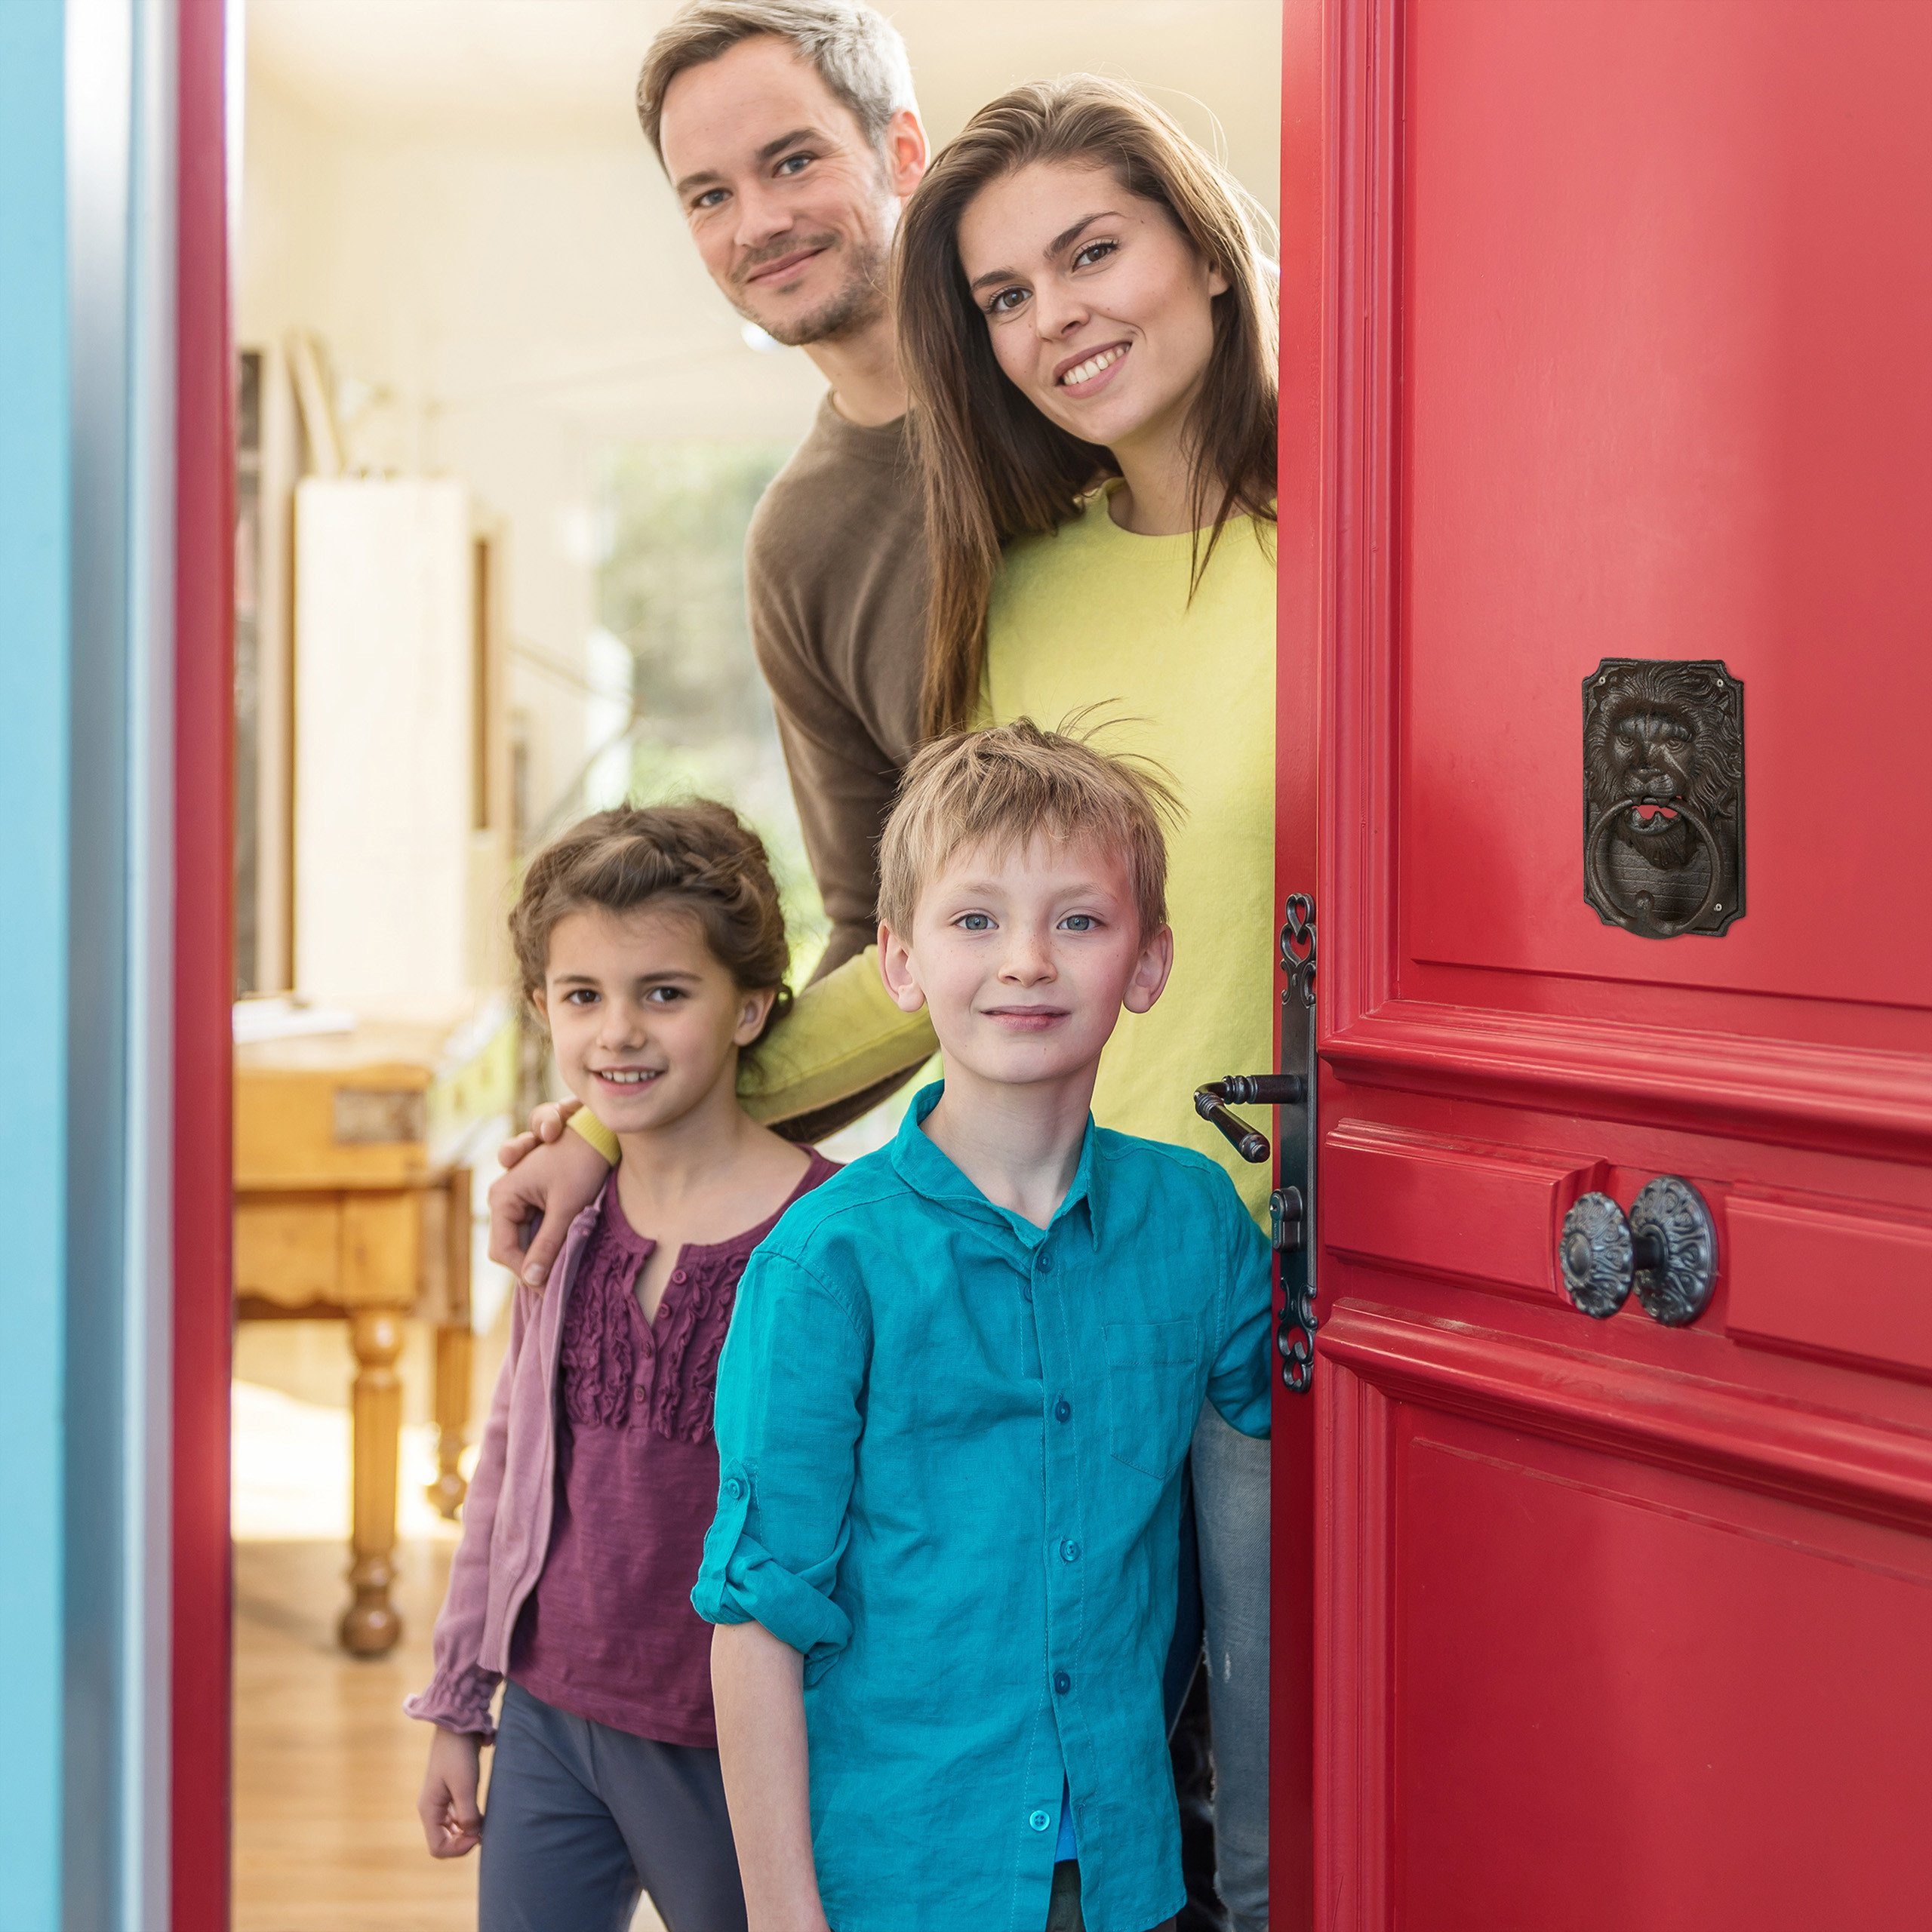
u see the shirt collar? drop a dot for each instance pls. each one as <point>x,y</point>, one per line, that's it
<point>929,1172</point>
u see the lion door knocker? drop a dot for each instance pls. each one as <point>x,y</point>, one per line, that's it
<point>1663,795</point>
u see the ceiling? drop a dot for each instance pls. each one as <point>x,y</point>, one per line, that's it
<point>563,70</point>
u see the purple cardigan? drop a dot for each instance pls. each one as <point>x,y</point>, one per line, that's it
<point>506,1516</point>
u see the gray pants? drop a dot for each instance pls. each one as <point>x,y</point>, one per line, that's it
<point>1063,1912</point>
<point>1231,1485</point>
<point>581,1819</point>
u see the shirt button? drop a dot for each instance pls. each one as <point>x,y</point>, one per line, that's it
<point>1069,1551</point>
<point>637,1394</point>
<point>1039,1820</point>
<point>1063,1411</point>
<point>1026,1291</point>
<point>677,1274</point>
<point>734,1487</point>
<point>1045,1264</point>
<point>1062,1684</point>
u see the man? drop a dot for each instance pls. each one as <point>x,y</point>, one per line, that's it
<point>789,134</point>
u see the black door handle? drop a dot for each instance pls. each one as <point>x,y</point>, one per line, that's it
<point>1211,1103</point>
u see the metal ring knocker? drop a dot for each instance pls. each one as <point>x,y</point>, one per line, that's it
<point>1643,917</point>
<point>1667,1250</point>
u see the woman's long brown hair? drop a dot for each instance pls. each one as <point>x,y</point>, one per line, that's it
<point>994,467</point>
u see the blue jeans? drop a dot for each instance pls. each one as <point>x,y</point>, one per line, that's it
<point>1231,1490</point>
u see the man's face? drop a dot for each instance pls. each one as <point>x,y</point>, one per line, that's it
<point>791,207</point>
<point>1026,958</point>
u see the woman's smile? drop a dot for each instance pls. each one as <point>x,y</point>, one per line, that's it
<point>1083,374</point>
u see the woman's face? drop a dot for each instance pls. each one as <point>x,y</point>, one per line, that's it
<point>1099,309</point>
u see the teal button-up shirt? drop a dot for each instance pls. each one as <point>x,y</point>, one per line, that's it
<point>950,1446</point>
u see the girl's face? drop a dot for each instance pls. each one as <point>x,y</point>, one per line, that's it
<point>645,1021</point>
<point>1099,311</point>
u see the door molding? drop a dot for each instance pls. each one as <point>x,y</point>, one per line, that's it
<point>1827,1098</point>
<point>1635,1411</point>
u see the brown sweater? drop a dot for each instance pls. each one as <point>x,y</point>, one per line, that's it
<point>835,577</point>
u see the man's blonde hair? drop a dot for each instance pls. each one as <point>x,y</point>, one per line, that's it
<point>998,787</point>
<point>858,54</point>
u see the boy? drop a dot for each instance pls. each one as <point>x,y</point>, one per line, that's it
<point>958,1390</point>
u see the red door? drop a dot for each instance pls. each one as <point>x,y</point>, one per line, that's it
<point>1621,359</point>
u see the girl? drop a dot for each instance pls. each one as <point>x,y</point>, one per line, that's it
<point>652,944</point>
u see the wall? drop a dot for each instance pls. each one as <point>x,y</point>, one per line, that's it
<point>482,292</point>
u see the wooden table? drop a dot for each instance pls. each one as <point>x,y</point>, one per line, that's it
<point>340,1211</point>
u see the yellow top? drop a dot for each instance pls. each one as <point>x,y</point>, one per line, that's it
<point>1094,615</point>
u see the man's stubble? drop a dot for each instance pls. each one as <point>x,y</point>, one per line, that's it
<point>855,307</point>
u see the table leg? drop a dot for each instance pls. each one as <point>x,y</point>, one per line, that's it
<point>454,1344</point>
<point>371,1626</point>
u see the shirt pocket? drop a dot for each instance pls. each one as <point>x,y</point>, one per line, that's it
<point>1153,1398</point>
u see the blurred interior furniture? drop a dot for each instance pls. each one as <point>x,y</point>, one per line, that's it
<point>268,450</point>
<point>343,1209</point>
<point>401,823</point>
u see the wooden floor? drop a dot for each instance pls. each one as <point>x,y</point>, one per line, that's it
<point>327,1766</point>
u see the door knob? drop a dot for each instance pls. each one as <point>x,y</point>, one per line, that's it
<point>1667,1250</point>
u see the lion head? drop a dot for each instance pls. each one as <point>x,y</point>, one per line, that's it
<point>1647,742</point>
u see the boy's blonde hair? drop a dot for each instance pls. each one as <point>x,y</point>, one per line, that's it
<point>999,786</point>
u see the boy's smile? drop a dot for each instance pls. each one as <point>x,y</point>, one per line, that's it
<point>1025,957</point>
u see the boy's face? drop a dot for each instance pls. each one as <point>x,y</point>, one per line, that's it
<point>1025,959</point>
<point>644,1021</point>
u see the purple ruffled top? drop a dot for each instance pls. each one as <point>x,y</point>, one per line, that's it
<point>609,1632</point>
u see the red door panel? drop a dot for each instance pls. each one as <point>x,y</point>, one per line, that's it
<point>1664,399</point>
<point>1627,305</point>
<point>1534,1565</point>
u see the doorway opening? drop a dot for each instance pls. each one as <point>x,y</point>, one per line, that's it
<point>497,442</point>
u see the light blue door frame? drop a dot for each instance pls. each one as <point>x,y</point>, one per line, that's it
<point>86,296</point>
<point>34,769</point>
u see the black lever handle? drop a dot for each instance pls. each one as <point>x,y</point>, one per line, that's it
<point>1247,1089</point>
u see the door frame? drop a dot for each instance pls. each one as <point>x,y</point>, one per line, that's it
<point>201,1567</point>
<point>1306,488</point>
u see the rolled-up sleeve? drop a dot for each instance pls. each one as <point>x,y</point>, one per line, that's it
<point>791,1393</point>
<point>1238,1385</point>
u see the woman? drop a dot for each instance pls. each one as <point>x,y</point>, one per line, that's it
<point>1089,339</point>
<point>1086,328</point>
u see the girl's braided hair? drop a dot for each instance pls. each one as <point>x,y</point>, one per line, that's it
<point>700,855</point>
